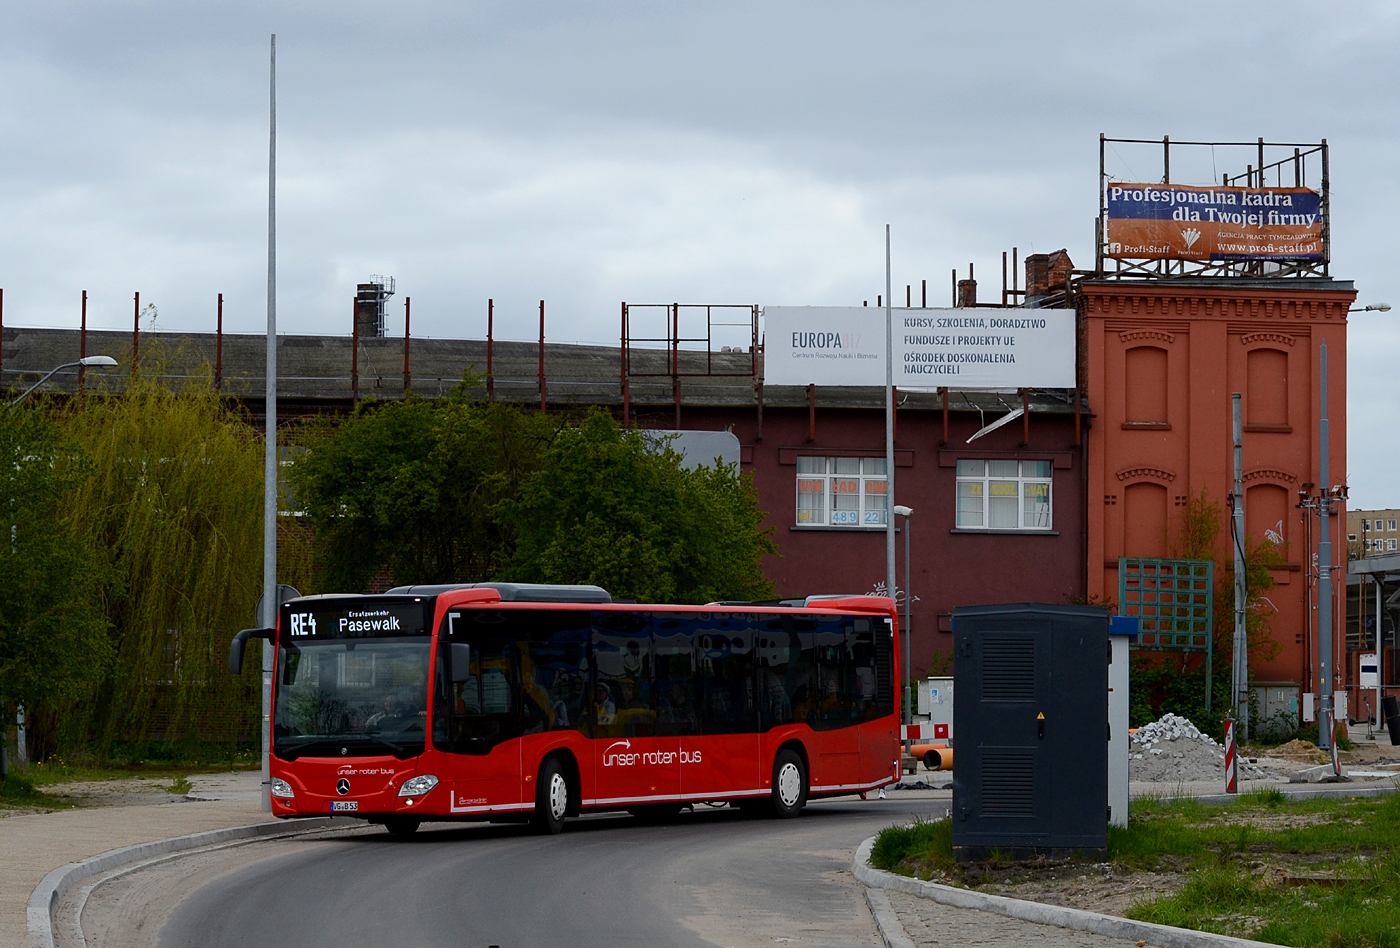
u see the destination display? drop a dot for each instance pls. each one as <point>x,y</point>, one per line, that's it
<point>933,348</point>
<point>1178,222</point>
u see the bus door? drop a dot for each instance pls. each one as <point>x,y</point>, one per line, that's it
<point>837,760</point>
<point>476,713</point>
<point>632,763</point>
<point>725,758</point>
<point>872,650</point>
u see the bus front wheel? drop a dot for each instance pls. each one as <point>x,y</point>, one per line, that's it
<point>551,798</point>
<point>789,784</point>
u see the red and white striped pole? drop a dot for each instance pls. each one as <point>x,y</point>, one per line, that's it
<point>1232,764</point>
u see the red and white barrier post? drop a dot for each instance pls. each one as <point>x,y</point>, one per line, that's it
<point>1232,764</point>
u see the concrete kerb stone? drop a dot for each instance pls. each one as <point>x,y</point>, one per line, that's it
<point>892,933</point>
<point>48,893</point>
<point>1163,935</point>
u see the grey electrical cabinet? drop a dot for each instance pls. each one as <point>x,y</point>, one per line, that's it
<point>1031,702</point>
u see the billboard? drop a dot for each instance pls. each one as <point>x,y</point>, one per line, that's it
<point>1177,222</point>
<point>933,348</point>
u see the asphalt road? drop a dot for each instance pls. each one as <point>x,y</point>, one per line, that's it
<point>711,878</point>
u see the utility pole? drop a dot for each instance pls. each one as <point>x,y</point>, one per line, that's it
<point>269,597</point>
<point>1324,575</point>
<point>1240,668</point>
<point>889,453</point>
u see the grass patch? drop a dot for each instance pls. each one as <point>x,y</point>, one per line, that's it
<point>1319,873</point>
<point>16,791</point>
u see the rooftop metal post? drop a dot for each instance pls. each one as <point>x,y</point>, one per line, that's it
<point>82,345</point>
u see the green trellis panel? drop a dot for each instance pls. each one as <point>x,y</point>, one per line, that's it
<point>1171,599</point>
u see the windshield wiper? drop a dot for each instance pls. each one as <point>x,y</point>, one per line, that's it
<point>302,750</point>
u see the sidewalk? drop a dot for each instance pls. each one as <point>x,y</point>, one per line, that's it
<point>33,845</point>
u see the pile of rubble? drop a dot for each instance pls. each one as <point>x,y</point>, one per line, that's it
<point>1172,749</point>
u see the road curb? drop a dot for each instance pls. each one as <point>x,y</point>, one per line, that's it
<point>1164,936</point>
<point>48,893</point>
<point>892,933</point>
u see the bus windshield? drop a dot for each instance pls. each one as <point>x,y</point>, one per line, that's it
<point>346,688</point>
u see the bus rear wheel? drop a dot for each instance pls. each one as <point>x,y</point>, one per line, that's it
<point>789,784</point>
<point>551,799</point>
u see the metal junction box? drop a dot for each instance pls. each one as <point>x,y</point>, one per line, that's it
<point>1032,708</point>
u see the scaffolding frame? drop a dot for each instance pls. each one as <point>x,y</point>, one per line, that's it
<point>673,343</point>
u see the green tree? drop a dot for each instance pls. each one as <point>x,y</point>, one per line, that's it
<point>408,488</point>
<point>174,497</point>
<point>609,506</point>
<point>54,648</point>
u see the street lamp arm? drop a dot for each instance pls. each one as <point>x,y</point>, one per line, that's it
<point>88,362</point>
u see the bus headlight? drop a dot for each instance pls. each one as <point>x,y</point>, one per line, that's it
<point>417,786</point>
<point>280,788</point>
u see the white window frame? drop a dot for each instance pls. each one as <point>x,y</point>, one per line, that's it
<point>1391,544</point>
<point>1365,526</point>
<point>1021,479</point>
<point>869,482</point>
<point>1390,526</point>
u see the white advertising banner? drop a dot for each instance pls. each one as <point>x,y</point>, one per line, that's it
<point>933,348</point>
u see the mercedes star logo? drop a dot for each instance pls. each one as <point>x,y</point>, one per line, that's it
<point>342,786</point>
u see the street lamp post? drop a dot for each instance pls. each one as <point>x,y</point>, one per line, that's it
<point>88,362</point>
<point>906,513</point>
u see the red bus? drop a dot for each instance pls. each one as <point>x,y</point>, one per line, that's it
<point>515,702</point>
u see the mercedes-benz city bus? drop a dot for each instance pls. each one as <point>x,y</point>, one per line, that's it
<point>513,702</point>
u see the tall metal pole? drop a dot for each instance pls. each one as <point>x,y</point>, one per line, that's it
<point>889,457</point>
<point>1240,667</point>
<point>269,597</point>
<point>908,605</point>
<point>1324,575</point>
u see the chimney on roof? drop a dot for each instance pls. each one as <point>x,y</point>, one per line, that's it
<point>1046,273</point>
<point>967,293</point>
<point>371,302</point>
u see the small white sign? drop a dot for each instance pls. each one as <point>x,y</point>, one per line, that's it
<point>933,348</point>
<point>1370,670</point>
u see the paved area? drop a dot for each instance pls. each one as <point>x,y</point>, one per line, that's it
<point>32,846</point>
<point>930,923</point>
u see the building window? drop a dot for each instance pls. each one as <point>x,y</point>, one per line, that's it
<point>1390,544</point>
<point>1351,538</point>
<point>842,492</point>
<point>1390,525</point>
<point>1365,525</point>
<point>1003,495</point>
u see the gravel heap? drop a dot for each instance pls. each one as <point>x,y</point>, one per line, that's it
<point>1171,750</point>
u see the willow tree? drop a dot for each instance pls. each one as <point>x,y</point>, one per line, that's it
<point>175,498</point>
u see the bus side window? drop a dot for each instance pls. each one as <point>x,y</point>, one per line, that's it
<point>787,671</point>
<point>676,685</point>
<point>725,648</point>
<point>554,670</point>
<point>622,691</point>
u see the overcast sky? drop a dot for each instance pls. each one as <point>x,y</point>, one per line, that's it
<point>591,153</point>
